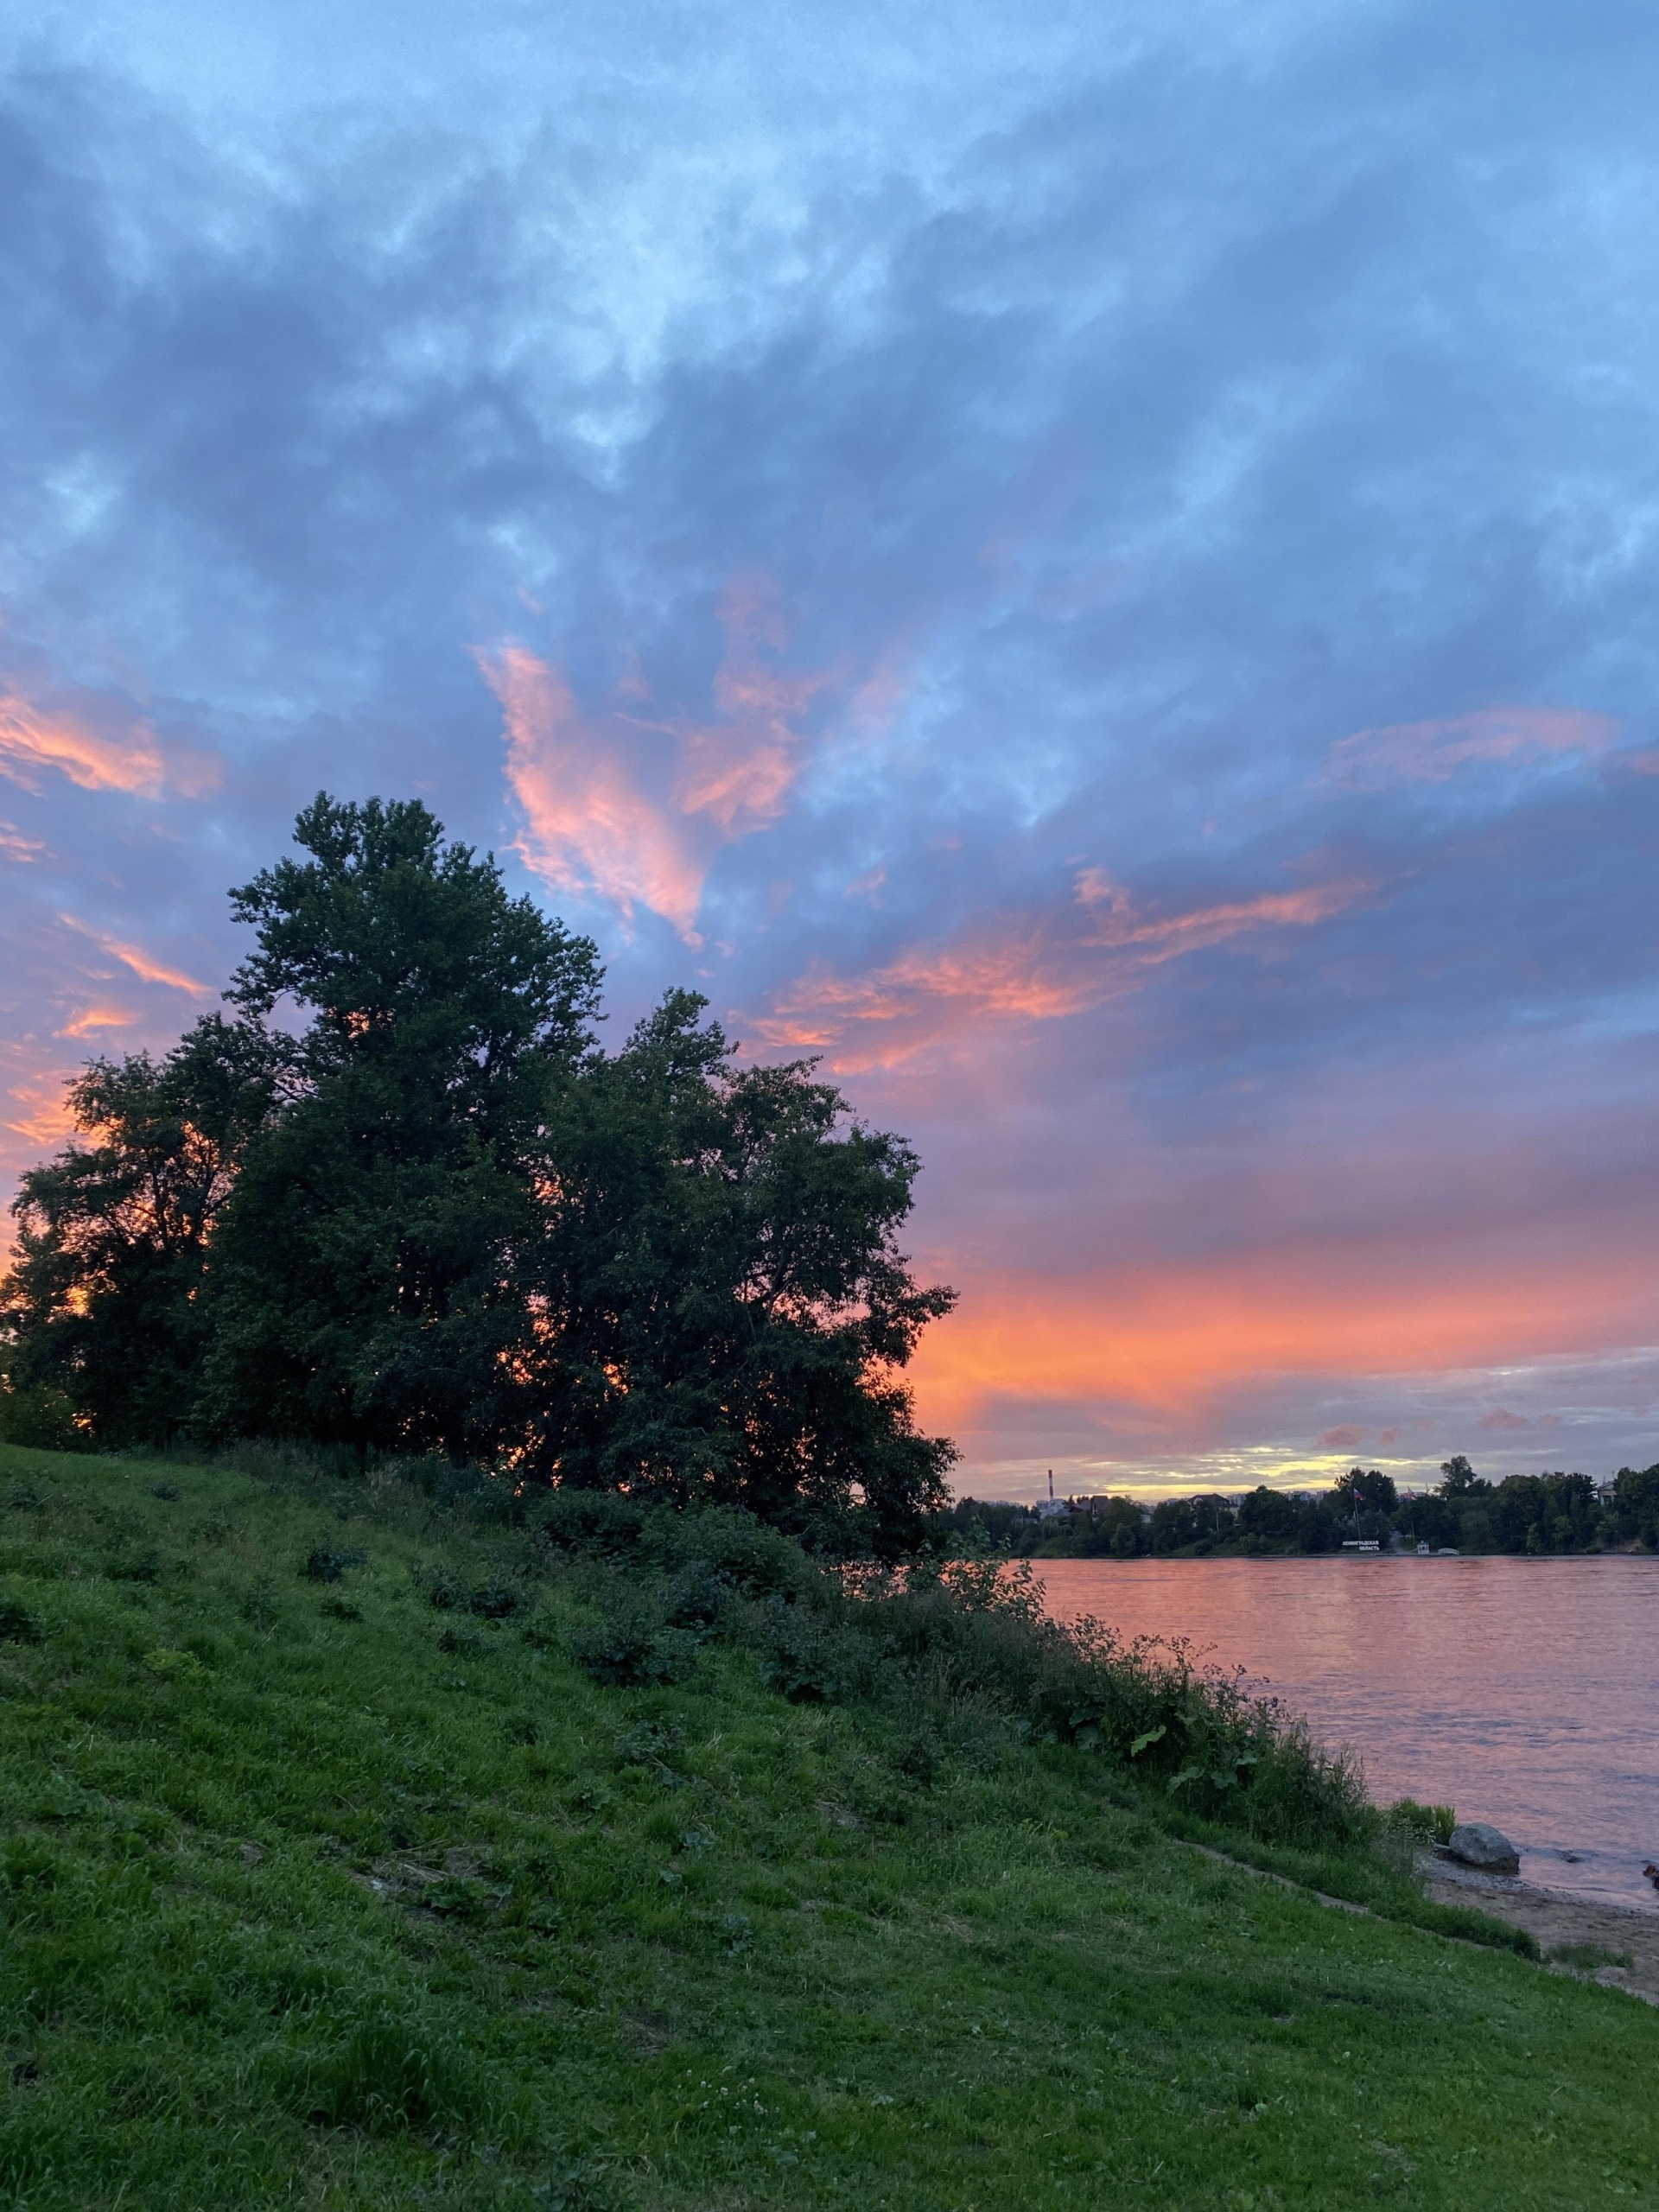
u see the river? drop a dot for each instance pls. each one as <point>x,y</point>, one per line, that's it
<point>1524,1692</point>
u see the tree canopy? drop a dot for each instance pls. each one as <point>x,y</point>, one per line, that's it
<point>402,1200</point>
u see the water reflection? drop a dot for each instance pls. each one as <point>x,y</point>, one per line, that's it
<point>1521,1691</point>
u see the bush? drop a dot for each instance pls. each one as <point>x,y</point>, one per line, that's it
<point>1421,1824</point>
<point>964,1647</point>
<point>18,1623</point>
<point>804,1659</point>
<point>327,1564</point>
<point>594,1522</point>
<point>42,1420</point>
<point>393,2071</point>
<point>628,1643</point>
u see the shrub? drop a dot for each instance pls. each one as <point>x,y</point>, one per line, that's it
<point>391,2071</point>
<point>18,1624</point>
<point>326,1564</point>
<point>803,1657</point>
<point>628,1643</point>
<point>493,1601</point>
<point>1422,1824</point>
<point>42,1420</point>
<point>592,1521</point>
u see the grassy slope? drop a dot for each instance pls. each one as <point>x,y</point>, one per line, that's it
<point>743,1958</point>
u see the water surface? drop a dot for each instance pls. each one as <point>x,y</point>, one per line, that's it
<point>1524,1692</point>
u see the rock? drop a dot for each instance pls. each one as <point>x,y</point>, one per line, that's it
<point>1475,1844</point>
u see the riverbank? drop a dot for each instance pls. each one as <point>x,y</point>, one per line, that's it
<point>1520,1691</point>
<point>330,1875</point>
<point>1616,1946</point>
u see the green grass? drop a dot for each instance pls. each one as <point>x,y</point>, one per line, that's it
<point>316,1893</point>
<point>1587,1957</point>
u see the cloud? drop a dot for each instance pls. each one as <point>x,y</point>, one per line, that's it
<point>1048,968</point>
<point>1342,1438</point>
<point>1000,476</point>
<point>589,831</point>
<point>1166,1350</point>
<point>34,741</point>
<point>31,741</point>
<point>1500,1418</point>
<point>18,848</point>
<point>40,1114</point>
<point>141,964</point>
<point>1434,752</point>
<point>92,1019</point>
<point>630,807</point>
<point>155,971</point>
<point>738,771</point>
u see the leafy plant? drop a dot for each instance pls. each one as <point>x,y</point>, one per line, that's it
<point>327,1563</point>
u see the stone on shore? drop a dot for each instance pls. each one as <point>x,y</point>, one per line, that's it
<point>1476,1844</point>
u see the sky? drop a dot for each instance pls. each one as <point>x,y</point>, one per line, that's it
<point>1093,567</point>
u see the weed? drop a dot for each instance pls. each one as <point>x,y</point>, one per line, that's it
<point>258,1605</point>
<point>1587,1957</point>
<point>18,1623</point>
<point>325,1563</point>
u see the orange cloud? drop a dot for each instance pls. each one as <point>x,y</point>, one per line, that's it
<point>97,1017</point>
<point>32,741</point>
<point>17,847</point>
<point>631,808</point>
<point>135,958</point>
<point>1433,752</point>
<point>1041,970</point>
<point>589,828</point>
<point>40,1116</point>
<point>739,771</point>
<point>1169,1341</point>
<point>152,971</point>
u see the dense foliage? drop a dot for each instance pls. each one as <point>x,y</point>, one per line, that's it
<point>1532,1514</point>
<point>401,1202</point>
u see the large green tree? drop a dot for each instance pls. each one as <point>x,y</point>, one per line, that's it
<point>364,1288</point>
<point>402,1202</point>
<point>716,1307</point>
<point>105,1311</point>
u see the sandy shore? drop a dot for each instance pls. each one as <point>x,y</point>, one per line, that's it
<point>1558,1922</point>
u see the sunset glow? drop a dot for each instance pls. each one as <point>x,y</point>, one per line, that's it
<point>1095,582</point>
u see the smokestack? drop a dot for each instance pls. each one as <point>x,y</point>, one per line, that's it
<point>1050,1485</point>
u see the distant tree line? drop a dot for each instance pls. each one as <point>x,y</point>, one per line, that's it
<point>399,1201</point>
<point>1535,1514</point>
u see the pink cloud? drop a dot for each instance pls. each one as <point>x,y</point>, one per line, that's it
<point>40,1114</point>
<point>1170,1339</point>
<point>141,964</point>
<point>1342,1440</point>
<point>630,807</point>
<point>1501,1418</point>
<point>1034,968</point>
<point>1433,752</point>
<point>92,1019</point>
<point>589,829</point>
<point>34,741</point>
<point>17,847</point>
<point>738,770</point>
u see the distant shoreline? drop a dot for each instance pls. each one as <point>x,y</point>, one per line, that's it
<point>1320,1559</point>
